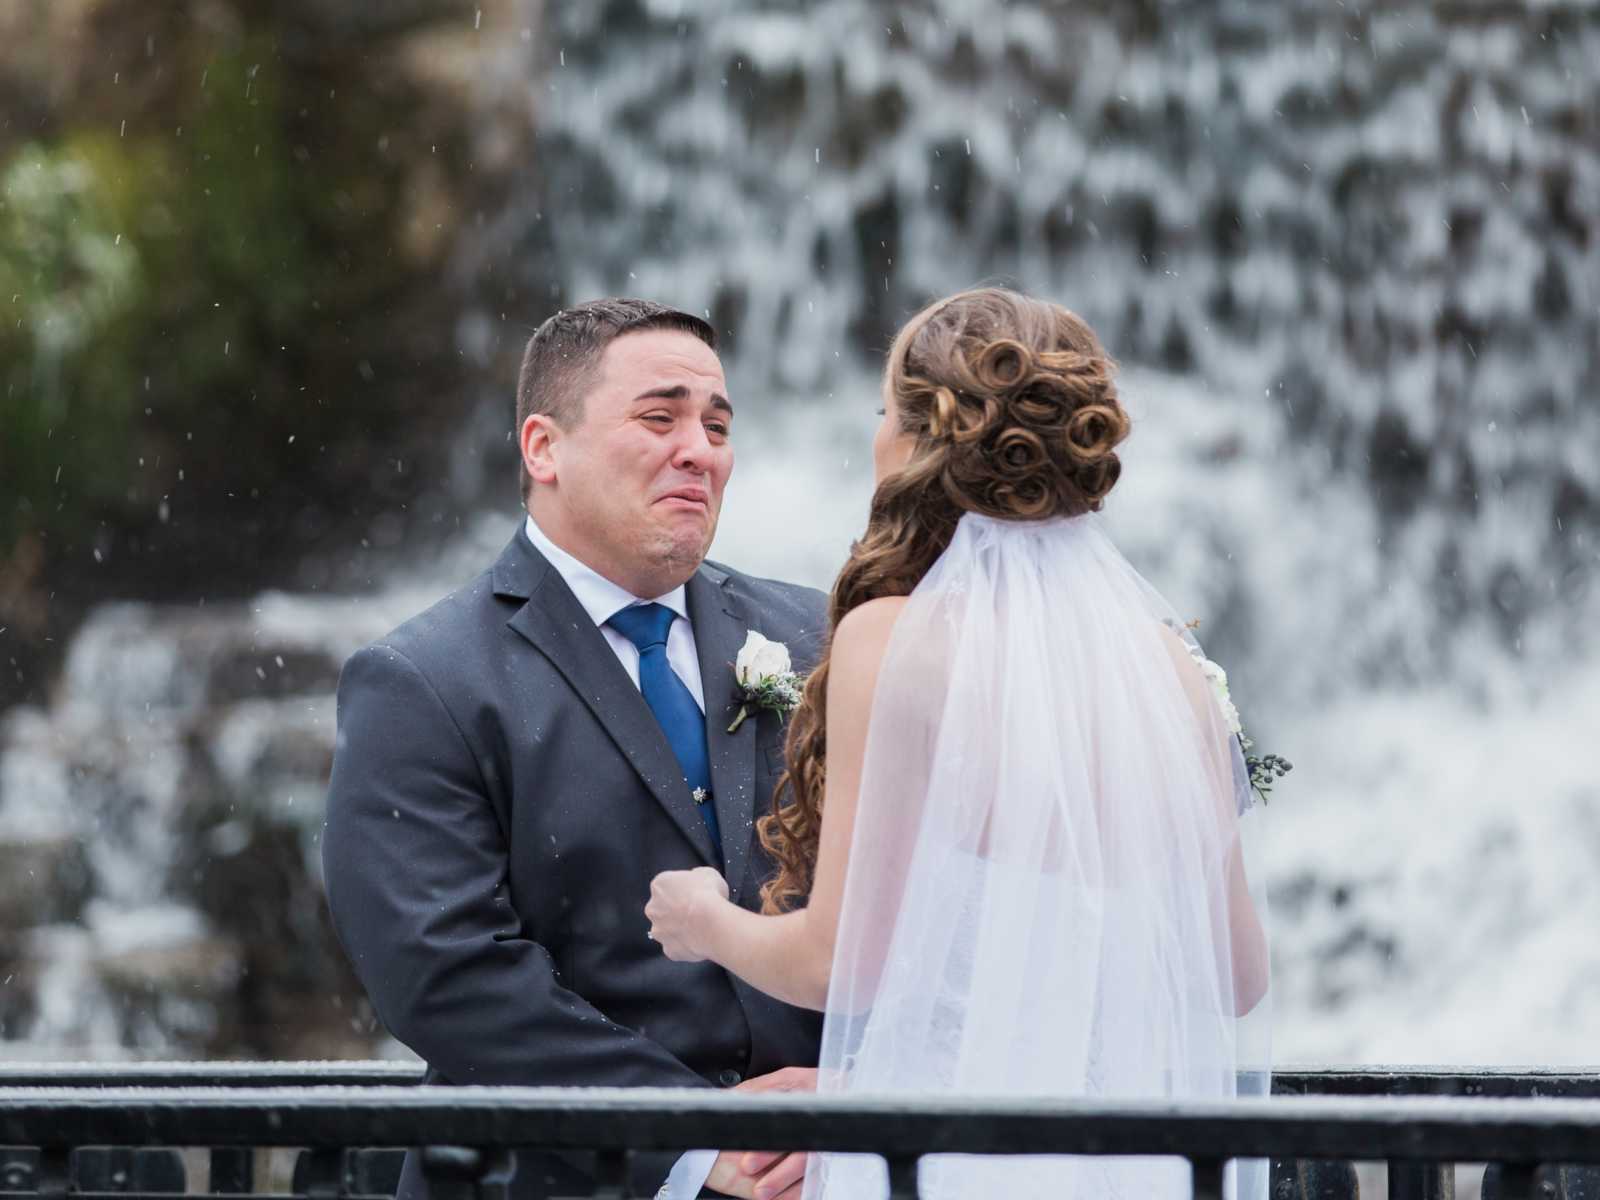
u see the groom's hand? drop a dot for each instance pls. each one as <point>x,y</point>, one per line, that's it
<point>765,1174</point>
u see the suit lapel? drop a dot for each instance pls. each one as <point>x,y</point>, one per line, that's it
<point>720,625</point>
<point>557,625</point>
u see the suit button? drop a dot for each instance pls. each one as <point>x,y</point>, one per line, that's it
<point>729,1077</point>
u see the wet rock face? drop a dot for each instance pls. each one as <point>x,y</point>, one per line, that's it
<point>42,880</point>
<point>1380,225</point>
<point>160,886</point>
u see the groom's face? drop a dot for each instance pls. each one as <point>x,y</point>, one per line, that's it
<point>634,488</point>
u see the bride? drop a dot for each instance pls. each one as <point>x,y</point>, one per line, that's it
<point>1010,836</point>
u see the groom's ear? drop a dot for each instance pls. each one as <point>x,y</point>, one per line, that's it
<point>538,433</point>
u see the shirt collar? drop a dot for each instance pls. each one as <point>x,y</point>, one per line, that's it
<point>600,598</point>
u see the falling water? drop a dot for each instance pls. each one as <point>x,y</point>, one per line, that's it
<point>1351,258</point>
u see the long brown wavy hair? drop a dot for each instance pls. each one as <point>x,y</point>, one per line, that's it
<point>1013,413</point>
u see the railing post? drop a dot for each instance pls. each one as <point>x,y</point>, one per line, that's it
<point>1207,1174</point>
<point>1311,1179</point>
<point>1421,1180</point>
<point>613,1177</point>
<point>54,1175</point>
<point>233,1170</point>
<point>466,1172</point>
<point>1517,1181</point>
<point>902,1177</point>
<point>325,1174</point>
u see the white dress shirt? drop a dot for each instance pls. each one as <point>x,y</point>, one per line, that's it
<point>602,600</point>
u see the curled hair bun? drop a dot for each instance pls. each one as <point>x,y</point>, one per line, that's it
<point>1020,415</point>
<point>958,418</point>
<point>1093,432</point>
<point>1002,364</point>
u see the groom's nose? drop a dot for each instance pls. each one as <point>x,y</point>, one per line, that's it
<point>694,450</point>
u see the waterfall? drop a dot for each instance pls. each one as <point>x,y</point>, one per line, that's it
<point>1372,234</point>
<point>1350,258</point>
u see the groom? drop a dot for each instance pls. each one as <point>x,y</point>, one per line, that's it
<point>515,764</point>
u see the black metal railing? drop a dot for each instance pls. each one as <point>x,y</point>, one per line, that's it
<point>96,1131</point>
<point>1484,1082</point>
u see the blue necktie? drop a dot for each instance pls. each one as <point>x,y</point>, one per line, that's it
<point>646,626</point>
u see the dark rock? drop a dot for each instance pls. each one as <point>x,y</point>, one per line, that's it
<point>43,880</point>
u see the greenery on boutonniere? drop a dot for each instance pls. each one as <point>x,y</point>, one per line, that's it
<point>764,679</point>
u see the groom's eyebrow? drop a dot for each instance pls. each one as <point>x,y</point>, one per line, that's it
<point>679,392</point>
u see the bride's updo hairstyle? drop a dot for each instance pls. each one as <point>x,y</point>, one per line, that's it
<point>1012,410</point>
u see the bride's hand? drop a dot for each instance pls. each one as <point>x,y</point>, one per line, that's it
<point>682,905</point>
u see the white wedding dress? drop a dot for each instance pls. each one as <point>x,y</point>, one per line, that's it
<point>1048,894</point>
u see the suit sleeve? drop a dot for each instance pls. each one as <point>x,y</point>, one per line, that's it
<point>415,863</point>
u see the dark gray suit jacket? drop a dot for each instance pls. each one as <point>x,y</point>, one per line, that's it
<point>501,798</point>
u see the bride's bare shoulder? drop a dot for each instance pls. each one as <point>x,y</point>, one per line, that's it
<point>860,657</point>
<point>861,639</point>
<point>864,631</point>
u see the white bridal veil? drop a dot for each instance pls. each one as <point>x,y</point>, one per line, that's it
<point>1047,893</point>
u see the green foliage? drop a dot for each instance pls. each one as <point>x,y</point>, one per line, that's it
<point>191,304</point>
<point>70,282</point>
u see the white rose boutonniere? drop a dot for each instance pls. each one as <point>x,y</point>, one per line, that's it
<point>765,678</point>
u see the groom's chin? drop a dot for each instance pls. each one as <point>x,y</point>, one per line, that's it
<point>684,544</point>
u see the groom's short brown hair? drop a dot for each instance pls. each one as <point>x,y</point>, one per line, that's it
<point>563,355</point>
